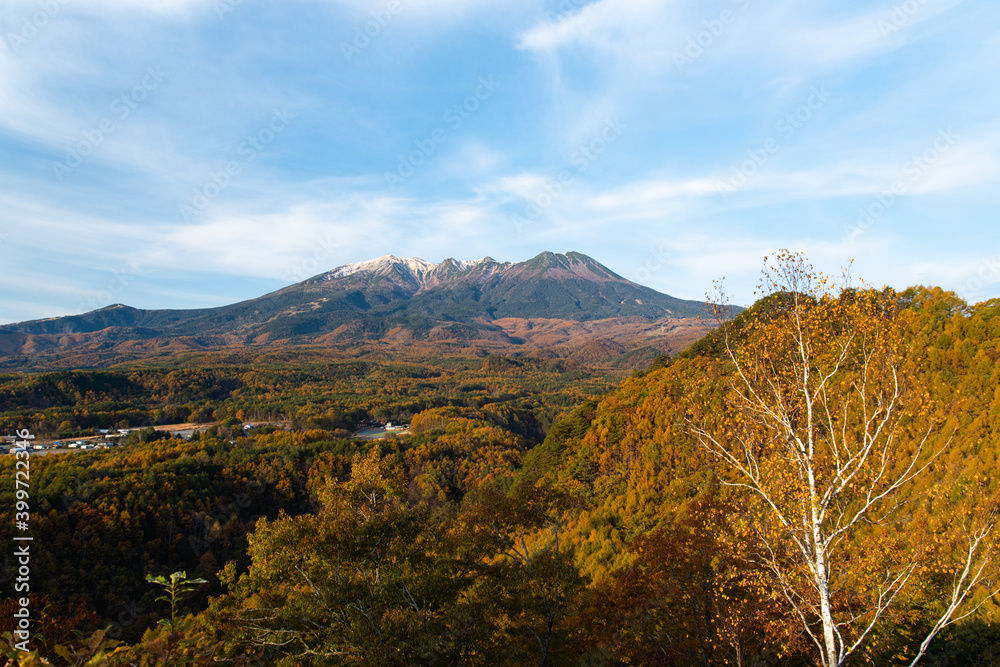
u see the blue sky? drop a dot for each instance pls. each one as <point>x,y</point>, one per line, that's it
<point>183,153</point>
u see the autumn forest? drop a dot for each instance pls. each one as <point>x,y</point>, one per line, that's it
<point>814,482</point>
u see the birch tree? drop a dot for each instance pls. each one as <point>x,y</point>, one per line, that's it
<point>831,441</point>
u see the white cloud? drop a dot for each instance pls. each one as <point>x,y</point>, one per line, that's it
<point>605,26</point>
<point>971,162</point>
<point>694,261</point>
<point>598,61</point>
<point>442,12</point>
<point>635,39</point>
<point>525,185</point>
<point>157,6</point>
<point>651,191</point>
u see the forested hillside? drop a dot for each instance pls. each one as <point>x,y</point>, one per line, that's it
<point>310,389</point>
<point>815,482</point>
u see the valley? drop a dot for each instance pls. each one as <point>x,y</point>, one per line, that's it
<point>561,487</point>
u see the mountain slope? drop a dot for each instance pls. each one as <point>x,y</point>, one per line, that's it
<point>383,298</point>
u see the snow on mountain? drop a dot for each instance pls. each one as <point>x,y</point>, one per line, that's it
<point>411,267</point>
<point>415,266</point>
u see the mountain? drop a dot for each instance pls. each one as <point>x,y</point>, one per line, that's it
<point>387,299</point>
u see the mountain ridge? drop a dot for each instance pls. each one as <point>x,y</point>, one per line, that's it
<point>387,298</point>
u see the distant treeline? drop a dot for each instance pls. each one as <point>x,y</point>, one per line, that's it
<point>333,396</point>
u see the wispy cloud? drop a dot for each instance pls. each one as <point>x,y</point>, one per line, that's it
<point>697,89</point>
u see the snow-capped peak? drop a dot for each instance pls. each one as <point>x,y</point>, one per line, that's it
<point>415,265</point>
<point>418,268</point>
